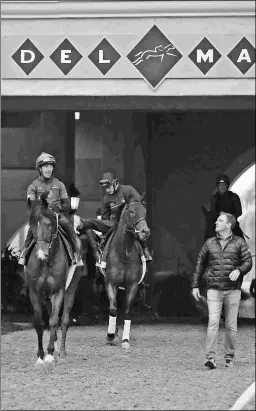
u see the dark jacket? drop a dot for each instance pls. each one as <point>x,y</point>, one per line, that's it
<point>220,263</point>
<point>112,203</point>
<point>228,202</point>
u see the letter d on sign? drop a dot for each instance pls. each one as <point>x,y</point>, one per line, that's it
<point>23,56</point>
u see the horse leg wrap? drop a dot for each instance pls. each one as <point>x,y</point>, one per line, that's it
<point>111,325</point>
<point>126,331</point>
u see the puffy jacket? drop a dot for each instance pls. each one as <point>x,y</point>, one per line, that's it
<point>222,262</point>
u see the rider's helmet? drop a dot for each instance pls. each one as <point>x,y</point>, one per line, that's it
<point>222,178</point>
<point>43,159</point>
<point>109,179</point>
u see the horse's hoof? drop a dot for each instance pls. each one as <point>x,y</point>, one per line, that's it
<point>126,344</point>
<point>39,364</point>
<point>49,362</point>
<point>110,337</point>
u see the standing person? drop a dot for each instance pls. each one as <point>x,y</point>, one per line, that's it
<point>228,260</point>
<point>224,200</point>
<point>57,199</point>
<point>116,197</point>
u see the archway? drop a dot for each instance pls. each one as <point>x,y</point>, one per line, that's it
<point>244,186</point>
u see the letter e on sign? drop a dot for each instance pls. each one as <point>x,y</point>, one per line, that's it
<point>66,56</point>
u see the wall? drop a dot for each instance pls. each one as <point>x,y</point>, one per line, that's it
<point>188,150</point>
<point>24,137</point>
<point>108,139</point>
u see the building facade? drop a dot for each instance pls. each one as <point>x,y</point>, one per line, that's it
<point>165,92</point>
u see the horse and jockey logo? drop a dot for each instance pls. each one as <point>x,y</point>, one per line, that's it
<point>158,52</point>
<point>154,56</point>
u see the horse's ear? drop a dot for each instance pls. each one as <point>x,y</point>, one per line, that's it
<point>142,197</point>
<point>204,210</point>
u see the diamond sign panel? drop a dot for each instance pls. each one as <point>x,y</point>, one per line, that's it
<point>66,56</point>
<point>154,56</point>
<point>27,56</point>
<point>204,55</point>
<point>104,56</point>
<point>243,55</point>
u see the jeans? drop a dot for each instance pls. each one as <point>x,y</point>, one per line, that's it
<point>215,301</point>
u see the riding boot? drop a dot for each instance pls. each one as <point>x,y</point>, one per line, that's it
<point>72,237</point>
<point>146,252</point>
<point>92,239</point>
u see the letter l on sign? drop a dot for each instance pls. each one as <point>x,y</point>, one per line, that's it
<point>101,58</point>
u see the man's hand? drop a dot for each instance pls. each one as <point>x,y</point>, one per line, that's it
<point>196,293</point>
<point>234,275</point>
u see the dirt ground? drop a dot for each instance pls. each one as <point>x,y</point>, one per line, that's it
<point>163,370</point>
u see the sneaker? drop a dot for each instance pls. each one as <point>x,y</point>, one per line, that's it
<point>22,261</point>
<point>210,362</point>
<point>229,362</point>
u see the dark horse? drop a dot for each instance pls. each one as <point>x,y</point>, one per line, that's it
<point>124,266</point>
<point>46,274</point>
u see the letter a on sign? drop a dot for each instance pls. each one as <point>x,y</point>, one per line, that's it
<point>243,55</point>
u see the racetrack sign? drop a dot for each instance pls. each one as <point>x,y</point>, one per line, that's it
<point>104,56</point>
<point>66,56</point>
<point>243,55</point>
<point>154,56</point>
<point>27,56</point>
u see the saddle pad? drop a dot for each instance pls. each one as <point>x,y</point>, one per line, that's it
<point>66,244</point>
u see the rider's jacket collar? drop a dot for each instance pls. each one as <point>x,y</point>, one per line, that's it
<point>46,180</point>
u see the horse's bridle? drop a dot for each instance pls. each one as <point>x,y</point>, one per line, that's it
<point>132,229</point>
<point>53,237</point>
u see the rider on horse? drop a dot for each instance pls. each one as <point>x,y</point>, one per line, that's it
<point>116,196</point>
<point>227,201</point>
<point>57,199</point>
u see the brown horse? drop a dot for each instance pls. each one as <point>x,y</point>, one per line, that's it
<point>46,275</point>
<point>124,266</point>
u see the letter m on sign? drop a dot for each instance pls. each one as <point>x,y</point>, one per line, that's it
<point>27,56</point>
<point>205,55</point>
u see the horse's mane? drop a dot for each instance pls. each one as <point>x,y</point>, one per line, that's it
<point>38,207</point>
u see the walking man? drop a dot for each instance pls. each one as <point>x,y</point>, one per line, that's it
<point>228,259</point>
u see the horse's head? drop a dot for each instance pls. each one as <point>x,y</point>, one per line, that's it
<point>41,222</point>
<point>136,220</point>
